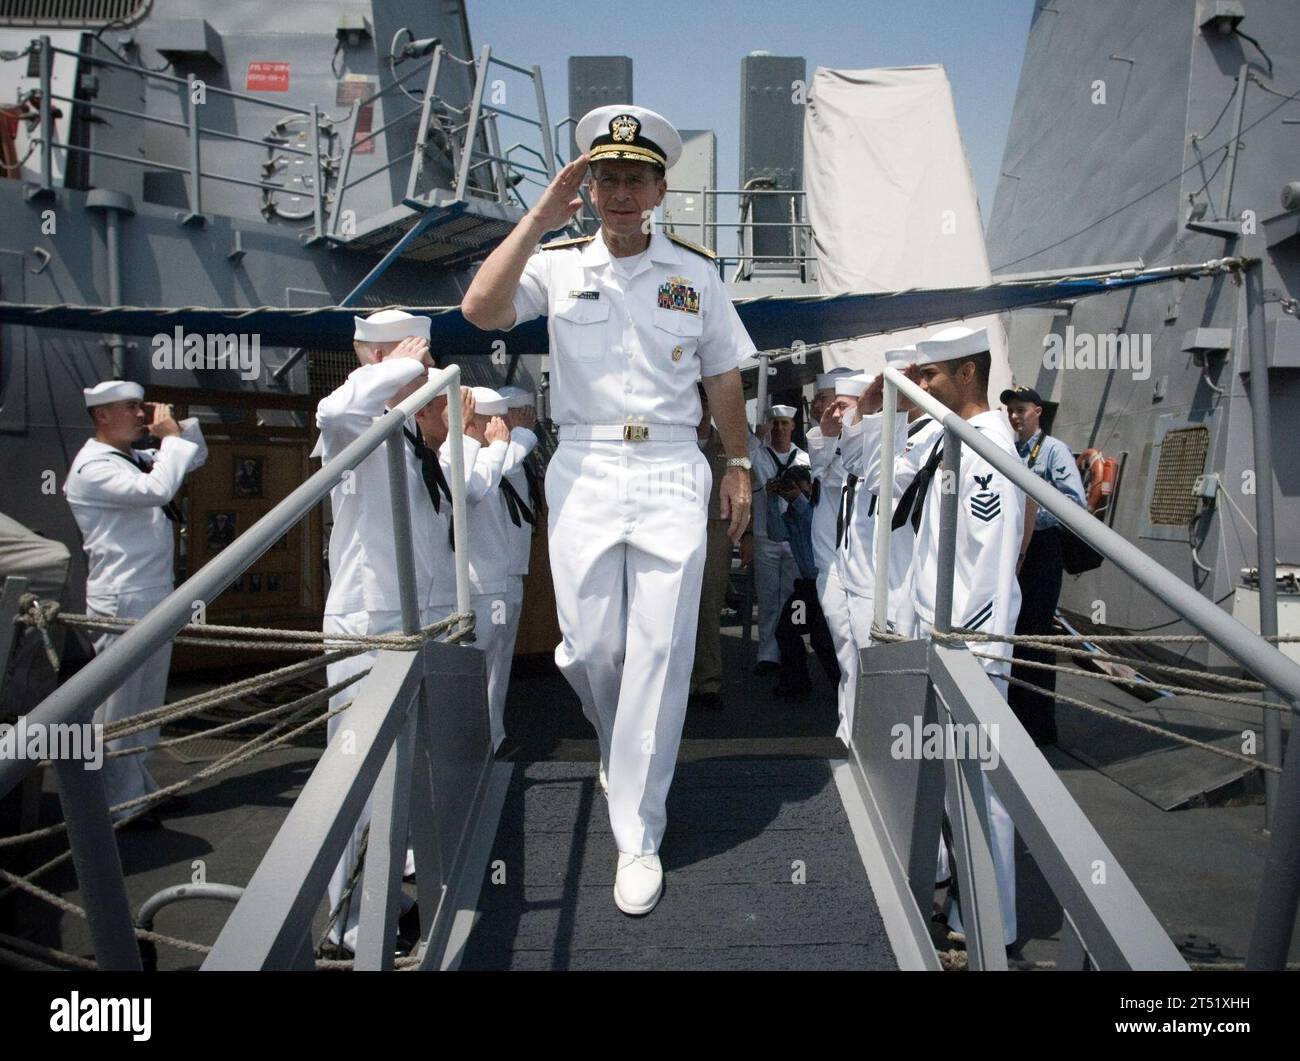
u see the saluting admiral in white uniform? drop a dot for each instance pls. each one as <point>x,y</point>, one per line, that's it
<point>364,596</point>
<point>774,566</point>
<point>122,500</point>
<point>953,367</point>
<point>634,321</point>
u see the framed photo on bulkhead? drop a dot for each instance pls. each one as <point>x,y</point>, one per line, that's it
<point>221,530</point>
<point>248,476</point>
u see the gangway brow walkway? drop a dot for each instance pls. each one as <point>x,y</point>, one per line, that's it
<point>761,871</point>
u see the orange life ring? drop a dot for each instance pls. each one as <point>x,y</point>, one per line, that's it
<point>1098,473</point>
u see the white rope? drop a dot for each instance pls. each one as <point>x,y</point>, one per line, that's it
<point>1140,682</point>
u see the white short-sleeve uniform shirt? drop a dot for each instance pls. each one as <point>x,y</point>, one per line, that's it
<point>630,347</point>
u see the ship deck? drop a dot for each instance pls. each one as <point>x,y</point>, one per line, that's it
<point>755,794</point>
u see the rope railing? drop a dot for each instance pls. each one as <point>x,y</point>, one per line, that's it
<point>1053,642</point>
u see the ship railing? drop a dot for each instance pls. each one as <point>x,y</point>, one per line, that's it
<point>1106,923</point>
<point>390,741</point>
<point>195,132</point>
<point>463,129</point>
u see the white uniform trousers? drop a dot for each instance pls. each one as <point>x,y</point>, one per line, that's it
<point>627,528</point>
<point>1002,839</point>
<point>127,777</point>
<point>835,606</point>
<point>491,626</point>
<point>356,623</point>
<point>774,574</point>
<point>503,658</point>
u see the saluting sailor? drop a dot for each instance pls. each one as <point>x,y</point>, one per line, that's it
<point>635,319</point>
<point>774,566</point>
<point>842,388</point>
<point>364,596</point>
<point>123,501</point>
<point>954,367</point>
<point>489,540</point>
<point>521,496</point>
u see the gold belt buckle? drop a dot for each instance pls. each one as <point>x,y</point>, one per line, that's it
<point>635,432</point>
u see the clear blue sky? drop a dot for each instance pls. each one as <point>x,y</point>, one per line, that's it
<point>686,55</point>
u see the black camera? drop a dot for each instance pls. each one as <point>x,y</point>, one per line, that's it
<point>795,476</point>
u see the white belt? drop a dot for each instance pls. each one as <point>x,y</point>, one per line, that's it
<point>628,433</point>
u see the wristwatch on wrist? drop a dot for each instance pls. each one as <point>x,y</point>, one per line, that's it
<point>739,462</point>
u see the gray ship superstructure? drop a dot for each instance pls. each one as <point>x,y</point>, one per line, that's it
<point>1156,134</point>
<point>240,155</point>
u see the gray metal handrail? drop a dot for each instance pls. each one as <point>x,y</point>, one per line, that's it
<point>1279,894</point>
<point>77,699</point>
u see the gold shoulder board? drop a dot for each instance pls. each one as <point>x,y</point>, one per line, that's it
<point>555,245</point>
<point>704,251</point>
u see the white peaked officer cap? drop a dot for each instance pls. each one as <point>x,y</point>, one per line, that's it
<point>781,412</point>
<point>390,326</point>
<point>900,358</point>
<point>852,386</point>
<point>489,402</point>
<point>951,343</point>
<point>633,134</point>
<point>826,380</point>
<point>112,390</point>
<point>517,397</point>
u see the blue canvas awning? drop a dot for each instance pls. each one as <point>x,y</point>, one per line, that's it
<point>774,322</point>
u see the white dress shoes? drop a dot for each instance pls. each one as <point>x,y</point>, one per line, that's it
<point>639,883</point>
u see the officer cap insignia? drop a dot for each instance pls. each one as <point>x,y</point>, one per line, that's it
<point>623,128</point>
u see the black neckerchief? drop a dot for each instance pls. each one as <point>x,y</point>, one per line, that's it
<point>170,509</point>
<point>777,460</point>
<point>847,494</point>
<point>913,499</point>
<point>430,469</point>
<point>519,511</point>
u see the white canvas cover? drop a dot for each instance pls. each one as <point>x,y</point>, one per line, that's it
<point>44,563</point>
<point>891,199</point>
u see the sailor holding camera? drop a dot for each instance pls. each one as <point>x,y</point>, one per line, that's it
<point>123,500</point>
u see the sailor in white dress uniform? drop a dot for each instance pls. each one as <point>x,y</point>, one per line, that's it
<point>635,319</point>
<point>953,366</point>
<point>774,566</point>
<point>364,596</point>
<point>520,493</point>
<point>489,544</point>
<point>122,500</point>
<point>827,469</point>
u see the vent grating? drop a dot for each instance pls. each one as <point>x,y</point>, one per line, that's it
<point>1182,462</point>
